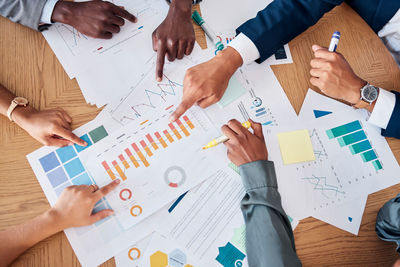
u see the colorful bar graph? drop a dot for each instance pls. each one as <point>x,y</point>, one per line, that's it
<point>182,127</point>
<point>169,137</point>
<point>377,164</point>
<point>151,140</point>
<point>119,170</point>
<point>188,122</point>
<point>344,129</point>
<point>146,148</point>
<point>369,155</point>
<point>124,162</point>
<point>108,170</point>
<point>360,147</point>
<point>352,138</point>
<point>163,143</point>
<point>175,131</point>
<point>131,157</point>
<point>140,154</point>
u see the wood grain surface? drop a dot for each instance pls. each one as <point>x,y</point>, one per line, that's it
<point>29,68</point>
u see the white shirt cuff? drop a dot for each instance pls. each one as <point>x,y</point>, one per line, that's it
<point>245,47</point>
<point>47,11</point>
<point>383,109</point>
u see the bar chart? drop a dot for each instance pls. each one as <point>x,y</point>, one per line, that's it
<point>353,136</point>
<point>139,153</point>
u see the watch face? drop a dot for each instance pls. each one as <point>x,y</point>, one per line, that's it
<point>369,93</point>
<point>21,101</point>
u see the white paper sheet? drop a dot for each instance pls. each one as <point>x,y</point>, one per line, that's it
<point>157,162</point>
<point>346,216</point>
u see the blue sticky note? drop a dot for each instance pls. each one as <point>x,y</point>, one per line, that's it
<point>49,162</point>
<point>82,179</point>
<point>87,140</point>
<point>57,177</point>
<point>74,168</point>
<point>66,153</point>
<point>234,91</point>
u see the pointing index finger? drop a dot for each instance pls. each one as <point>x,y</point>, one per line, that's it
<point>67,134</point>
<point>162,49</point>
<point>120,11</point>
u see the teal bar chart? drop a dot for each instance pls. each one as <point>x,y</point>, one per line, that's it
<point>354,137</point>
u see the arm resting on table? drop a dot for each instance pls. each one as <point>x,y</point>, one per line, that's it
<point>269,236</point>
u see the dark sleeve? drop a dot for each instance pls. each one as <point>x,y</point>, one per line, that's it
<point>25,12</point>
<point>393,128</point>
<point>281,21</point>
<point>269,235</point>
<point>387,225</point>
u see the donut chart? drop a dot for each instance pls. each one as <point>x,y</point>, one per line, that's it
<point>175,176</point>
<point>125,194</point>
<point>134,254</point>
<point>136,210</point>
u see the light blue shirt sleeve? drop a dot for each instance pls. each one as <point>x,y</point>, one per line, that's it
<point>269,235</point>
<point>47,11</point>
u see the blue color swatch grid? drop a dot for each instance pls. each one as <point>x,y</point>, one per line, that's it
<point>64,168</point>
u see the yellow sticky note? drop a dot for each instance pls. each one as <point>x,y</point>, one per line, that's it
<point>296,147</point>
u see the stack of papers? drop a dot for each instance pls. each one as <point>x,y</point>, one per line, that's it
<point>176,202</point>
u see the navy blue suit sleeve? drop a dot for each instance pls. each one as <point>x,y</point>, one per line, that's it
<point>281,21</point>
<point>393,128</point>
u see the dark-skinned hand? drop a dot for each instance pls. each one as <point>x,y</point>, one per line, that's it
<point>98,19</point>
<point>244,146</point>
<point>174,37</point>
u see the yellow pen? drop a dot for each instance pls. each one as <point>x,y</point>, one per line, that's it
<point>224,138</point>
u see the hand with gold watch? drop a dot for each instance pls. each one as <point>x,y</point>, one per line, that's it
<point>50,127</point>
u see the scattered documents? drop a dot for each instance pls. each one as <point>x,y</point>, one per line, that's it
<point>296,146</point>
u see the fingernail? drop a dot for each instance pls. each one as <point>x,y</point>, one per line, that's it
<point>117,181</point>
<point>172,118</point>
<point>158,79</point>
<point>111,212</point>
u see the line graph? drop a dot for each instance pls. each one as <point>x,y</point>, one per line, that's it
<point>321,184</point>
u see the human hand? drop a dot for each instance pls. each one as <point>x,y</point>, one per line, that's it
<point>98,19</point>
<point>50,127</point>
<point>332,74</point>
<point>243,146</point>
<point>206,83</point>
<point>75,205</point>
<point>174,37</point>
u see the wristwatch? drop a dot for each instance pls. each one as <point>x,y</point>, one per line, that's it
<point>193,2</point>
<point>369,94</point>
<point>16,102</point>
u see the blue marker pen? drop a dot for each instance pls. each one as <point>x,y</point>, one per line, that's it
<point>334,41</point>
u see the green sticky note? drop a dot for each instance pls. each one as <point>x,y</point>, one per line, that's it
<point>98,134</point>
<point>296,147</point>
<point>234,91</point>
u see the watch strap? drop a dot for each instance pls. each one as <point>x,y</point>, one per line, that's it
<point>11,109</point>
<point>361,104</point>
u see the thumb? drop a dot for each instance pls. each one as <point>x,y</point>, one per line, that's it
<point>100,215</point>
<point>316,47</point>
<point>257,128</point>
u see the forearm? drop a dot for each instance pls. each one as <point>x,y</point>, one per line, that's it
<point>17,239</point>
<point>269,236</point>
<point>26,12</point>
<point>283,20</point>
<point>20,113</point>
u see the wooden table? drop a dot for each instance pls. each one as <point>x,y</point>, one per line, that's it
<point>29,68</point>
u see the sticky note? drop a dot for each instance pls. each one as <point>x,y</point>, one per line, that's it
<point>234,91</point>
<point>296,147</point>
